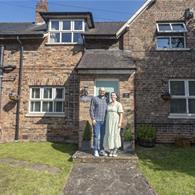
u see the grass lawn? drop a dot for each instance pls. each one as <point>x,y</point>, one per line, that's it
<point>22,181</point>
<point>169,170</point>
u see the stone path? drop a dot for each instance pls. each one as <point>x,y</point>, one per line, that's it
<point>117,177</point>
<point>33,166</point>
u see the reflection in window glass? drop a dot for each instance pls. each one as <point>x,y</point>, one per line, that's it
<point>163,42</point>
<point>164,27</point>
<point>59,107</point>
<point>66,37</point>
<point>47,93</point>
<point>191,106</point>
<point>78,25</point>
<point>177,88</point>
<point>66,25</point>
<point>55,25</point>
<point>78,38</point>
<point>35,93</point>
<point>192,88</point>
<point>47,106</point>
<point>178,27</point>
<point>54,37</point>
<point>177,42</point>
<point>59,93</point>
<point>35,106</point>
<point>178,106</point>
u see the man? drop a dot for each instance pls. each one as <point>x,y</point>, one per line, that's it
<point>98,109</point>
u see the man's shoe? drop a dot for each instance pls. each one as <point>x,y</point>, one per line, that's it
<point>103,153</point>
<point>96,153</point>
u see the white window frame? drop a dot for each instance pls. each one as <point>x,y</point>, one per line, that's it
<point>170,37</point>
<point>61,31</point>
<point>42,99</point>
<point>170,24</point>
<point>186,96</point>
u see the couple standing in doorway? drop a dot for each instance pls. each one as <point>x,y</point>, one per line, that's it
<point>106,119</point>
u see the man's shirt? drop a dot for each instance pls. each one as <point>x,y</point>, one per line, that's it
<point>98,108</point>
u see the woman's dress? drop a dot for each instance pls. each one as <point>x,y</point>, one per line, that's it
<point>112,138</point>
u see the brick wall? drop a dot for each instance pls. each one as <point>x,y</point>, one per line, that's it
<point>155,68</point>
<point>44,65</point>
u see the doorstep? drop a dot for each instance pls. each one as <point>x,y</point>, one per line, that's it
<point>86,157</point>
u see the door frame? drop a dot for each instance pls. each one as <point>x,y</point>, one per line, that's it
<point>107,79</point>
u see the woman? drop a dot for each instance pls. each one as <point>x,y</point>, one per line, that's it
<point>112,139</point>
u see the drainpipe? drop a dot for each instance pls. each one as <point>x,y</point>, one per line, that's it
<point>19,89</point>
<point>1,77</point>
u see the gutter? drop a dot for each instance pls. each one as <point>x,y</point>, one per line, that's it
<point>19,89</point>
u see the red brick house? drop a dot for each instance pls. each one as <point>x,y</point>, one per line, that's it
<point>51,68</point>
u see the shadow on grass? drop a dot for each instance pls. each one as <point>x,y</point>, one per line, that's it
<point>65,148</point>
<point>168,158</point>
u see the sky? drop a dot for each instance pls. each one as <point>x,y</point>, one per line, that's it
<point>103,10</point>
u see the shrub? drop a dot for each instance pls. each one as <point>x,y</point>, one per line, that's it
<point>128,134</point>
<point>146,132</point>
<point>87,132</point>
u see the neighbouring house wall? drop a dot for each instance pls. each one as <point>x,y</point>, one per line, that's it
<point>155,68</point>
<point>43,65</point>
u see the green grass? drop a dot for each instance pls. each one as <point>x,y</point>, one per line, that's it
<point>169,170</point>
<point>20,181</point>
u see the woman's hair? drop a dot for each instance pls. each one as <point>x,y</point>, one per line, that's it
<point>115,94</point>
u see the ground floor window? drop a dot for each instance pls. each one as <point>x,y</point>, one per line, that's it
<point>47,99</point>
<point>182,96</point>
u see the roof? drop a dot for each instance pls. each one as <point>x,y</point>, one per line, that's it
<point>95,59</point>
<point>26,28</point>
<point>105,28</point>
<point>62,15</point>
<point>147,4</point>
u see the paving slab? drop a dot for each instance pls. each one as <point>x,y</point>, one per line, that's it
<point>108,177</point>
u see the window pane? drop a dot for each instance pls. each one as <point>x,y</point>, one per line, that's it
<point>35,107</point>
<point>177,42</point>
<point>35,93</point>
<point>163,42</point>
<point>192,106</point>
<point>59,106</point>
<point>178,106</point>
<point>47,107</point>
<point>47,93</point>
<point>66,25</point>
<point>59,93</point>
<point>164,27</point>
<point>78,25</point>
<point>177,87</point>
<point>54,37</point>
<point>192,88</point>
<point>178,27</point>
<point>78,38</point>
<point>54,25</point>
<point>66,37</point>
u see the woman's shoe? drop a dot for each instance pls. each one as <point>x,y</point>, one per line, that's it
<point>111,154</point>
<point>115,153</point>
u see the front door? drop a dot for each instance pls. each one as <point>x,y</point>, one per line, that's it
<point>109,85</point>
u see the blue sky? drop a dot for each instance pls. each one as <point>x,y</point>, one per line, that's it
<point>103,10</point>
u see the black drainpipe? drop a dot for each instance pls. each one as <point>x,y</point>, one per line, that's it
<point>1,76</point>
<point>19,89</point>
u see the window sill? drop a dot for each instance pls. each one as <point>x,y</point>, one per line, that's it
<point>62,44</point>
<point>179,49</point>
<point>181,116</point>
<point>45,115</point>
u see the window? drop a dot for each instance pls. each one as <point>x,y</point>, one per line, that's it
<point>171,27</point>
<point>47,100</point>
<point>171,36</point>
<point>182,97</point>
<point>66,31</point>
<point>170,42</point>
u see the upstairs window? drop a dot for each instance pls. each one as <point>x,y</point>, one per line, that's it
<point>66,31</point>
<point>171,36</point>
<point>171,27</point>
